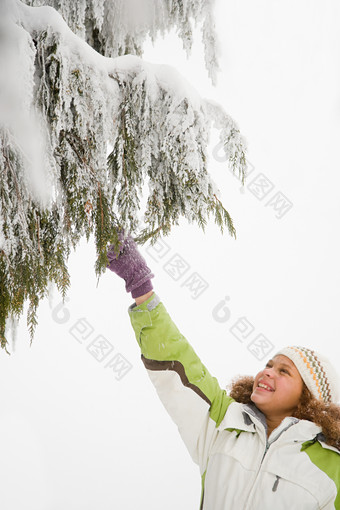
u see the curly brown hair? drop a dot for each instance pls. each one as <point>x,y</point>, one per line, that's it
<point>326,416</point>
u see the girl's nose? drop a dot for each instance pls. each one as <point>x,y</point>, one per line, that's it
<point>269,371</point>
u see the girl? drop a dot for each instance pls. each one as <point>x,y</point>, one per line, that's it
<point>273,442</point>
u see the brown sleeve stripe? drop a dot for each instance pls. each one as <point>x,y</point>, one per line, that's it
<point>201,507</point>
<point>176,366</point>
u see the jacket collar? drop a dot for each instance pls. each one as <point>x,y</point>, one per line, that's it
<point>247,417</point>
<point>251,412</point>
<point>322,440</point>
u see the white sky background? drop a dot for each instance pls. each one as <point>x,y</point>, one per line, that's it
<point>75,437</point>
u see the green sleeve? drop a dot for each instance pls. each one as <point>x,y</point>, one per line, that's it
<point>191,395</point>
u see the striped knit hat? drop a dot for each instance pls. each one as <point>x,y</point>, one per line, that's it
<point>316,371</point>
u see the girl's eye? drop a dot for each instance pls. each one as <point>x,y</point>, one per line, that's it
<point>284,370</point>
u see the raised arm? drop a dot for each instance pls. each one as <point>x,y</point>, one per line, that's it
<point>192,397</point>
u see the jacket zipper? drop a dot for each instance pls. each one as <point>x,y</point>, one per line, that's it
<point>258,470</point>
<point>276,483</point>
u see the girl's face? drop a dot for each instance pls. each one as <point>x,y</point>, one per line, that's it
<point>277,389</point>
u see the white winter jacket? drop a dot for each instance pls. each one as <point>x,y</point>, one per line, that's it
<point>241,468</point>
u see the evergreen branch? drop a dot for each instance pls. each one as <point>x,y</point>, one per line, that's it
<point>224,218</point>
<point>159,138</point>
<point>145,234</point>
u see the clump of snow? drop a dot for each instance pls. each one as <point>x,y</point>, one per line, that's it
<point>64,102</point>
<point>18,113</point>
<point>2,241</point>
<point>121,26</point>
<point>39,19</point>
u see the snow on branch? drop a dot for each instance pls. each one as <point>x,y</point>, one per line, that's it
<point>120,27</point>
<point>81,138</point>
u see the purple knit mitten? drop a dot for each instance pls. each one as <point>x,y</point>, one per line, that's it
<point>131,266</point>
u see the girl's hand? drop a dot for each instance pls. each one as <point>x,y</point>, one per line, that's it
<point>131,266</point>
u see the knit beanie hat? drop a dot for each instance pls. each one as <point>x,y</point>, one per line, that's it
<point>316,371</point>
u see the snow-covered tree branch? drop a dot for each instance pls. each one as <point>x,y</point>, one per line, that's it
<point>85,139</point>
<point>120,27</point>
